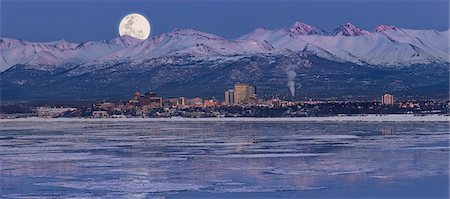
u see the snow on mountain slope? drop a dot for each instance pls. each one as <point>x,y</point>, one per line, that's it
<point>189,42</point>
<point>386,46</point>
<point>125,41</point>
<point>47,55</point>
<point>284,39</point>
<point>433,43</point>
<point>375,49</point>
<point>349,29</point>
<point>15,51</point>
<point>432,39</point>
<point>305,29</point>
<point>381,28</point>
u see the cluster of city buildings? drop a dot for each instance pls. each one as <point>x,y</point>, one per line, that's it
<point>240,101</point>
<point>242,94</point>
<point>141,104</point>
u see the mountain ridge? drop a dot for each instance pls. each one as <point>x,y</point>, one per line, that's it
<point>315,63</point>
<point>347,43</point>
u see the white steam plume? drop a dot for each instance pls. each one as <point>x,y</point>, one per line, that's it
<point>291,74</point>
<point>291,83</point>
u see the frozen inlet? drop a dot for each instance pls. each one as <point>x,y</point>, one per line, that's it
<point>268,157</point>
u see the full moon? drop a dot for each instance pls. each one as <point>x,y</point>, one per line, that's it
<point>135,25</point>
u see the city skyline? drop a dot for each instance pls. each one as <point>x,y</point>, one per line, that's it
<point>241,94</point>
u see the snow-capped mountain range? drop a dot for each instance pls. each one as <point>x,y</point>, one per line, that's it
<point>385,46</point>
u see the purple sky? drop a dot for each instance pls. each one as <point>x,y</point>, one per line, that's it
<point>82,20</point>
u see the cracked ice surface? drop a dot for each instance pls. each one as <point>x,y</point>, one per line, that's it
<point>186,159</point>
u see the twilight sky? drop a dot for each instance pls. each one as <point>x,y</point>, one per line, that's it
<point>83,20</point>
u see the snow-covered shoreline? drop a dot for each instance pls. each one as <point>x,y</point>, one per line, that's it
<point>356,118</point>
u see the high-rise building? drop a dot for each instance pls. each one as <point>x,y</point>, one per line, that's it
<point>229,97</point>
<point>243,92</point>
<point>182,101</point>
<point>387,99</point>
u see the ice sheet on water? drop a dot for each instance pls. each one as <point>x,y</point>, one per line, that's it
<point>258,150</point>
<point>248,156</point>
<point>429,148</point>
<point>261,189</point>
<point>274,155</point>
<point>381,176</point>
<point>321,171</point>
<point>201,144</point>
<point>124,185</point>
<point>94,164</point>
<point>344,172</point>
<point>328,137</point>
<point>111,195</point>
<point>52,157</point>
<point>228,183</point>
<point>46,196</point>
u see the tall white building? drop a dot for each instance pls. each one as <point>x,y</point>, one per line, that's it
<point>387,99</point>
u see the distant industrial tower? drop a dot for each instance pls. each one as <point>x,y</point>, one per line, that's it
<point>387,99</point>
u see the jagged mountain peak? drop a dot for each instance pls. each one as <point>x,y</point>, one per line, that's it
<point>348,29</point>
<point>301,28</point>
<point>381,28</point>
